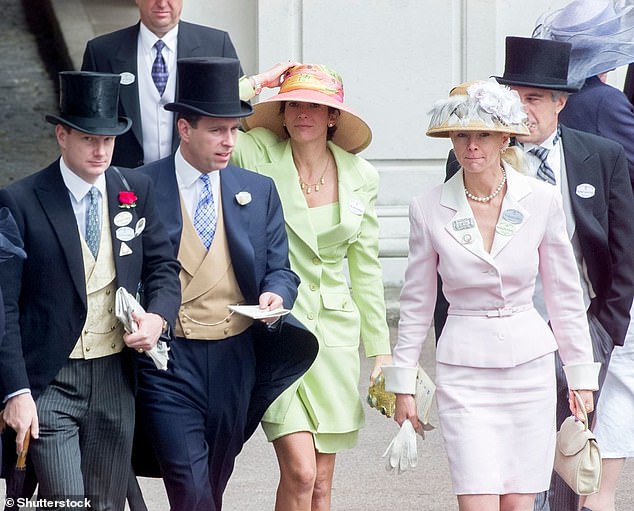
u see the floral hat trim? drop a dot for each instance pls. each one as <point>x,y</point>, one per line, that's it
<point>478,106</point>
<point>313,77</point>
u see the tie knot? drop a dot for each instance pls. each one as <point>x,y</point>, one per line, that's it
<point>94,193</point>
<point>540,152</point>
<point>205,179</point>
<point>159,45</point>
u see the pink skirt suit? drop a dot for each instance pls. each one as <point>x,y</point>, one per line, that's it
<point>495,370</point>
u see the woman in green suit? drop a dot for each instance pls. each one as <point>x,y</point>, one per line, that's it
<point>306,139</point>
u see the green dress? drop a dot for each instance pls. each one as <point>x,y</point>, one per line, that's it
<point>334,250</point>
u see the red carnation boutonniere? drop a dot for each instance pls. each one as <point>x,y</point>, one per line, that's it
<point>127,199</point>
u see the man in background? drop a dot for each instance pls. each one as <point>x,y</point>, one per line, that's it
<point>145,56</point>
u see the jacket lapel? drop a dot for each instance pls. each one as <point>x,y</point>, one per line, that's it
<point>295,211</point>
<point>53,196</point>
<point>513,215</point>
<point>462,226</point>
<point>580,171</point>
<point>125,61</point>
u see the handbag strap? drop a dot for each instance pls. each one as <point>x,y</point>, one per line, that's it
<point>582,407</point>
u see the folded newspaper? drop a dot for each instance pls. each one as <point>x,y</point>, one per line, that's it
<point>254,311</point>
<point>125,305</point>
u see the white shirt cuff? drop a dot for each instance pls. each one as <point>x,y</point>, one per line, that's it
<point>583,376</point>
<point>400,380</point>
<point>16,393</point>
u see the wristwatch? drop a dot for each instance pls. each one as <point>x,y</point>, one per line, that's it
<point>257,86</point>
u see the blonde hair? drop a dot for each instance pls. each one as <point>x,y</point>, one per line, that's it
<point>514,156</point>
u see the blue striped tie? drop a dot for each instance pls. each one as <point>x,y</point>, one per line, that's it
<point>159,68</point>
<point>545,171</point>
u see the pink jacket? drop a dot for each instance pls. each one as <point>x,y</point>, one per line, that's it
<point>491,320</point>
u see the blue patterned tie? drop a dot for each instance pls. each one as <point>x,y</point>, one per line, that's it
<point>205,216</point>
<point>159,68</point>
<point>93,230</point>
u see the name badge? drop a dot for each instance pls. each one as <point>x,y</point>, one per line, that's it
<point>127,78</point>
<point>505,228</point>
<point>122,219</point>
<point>462,224</point>
<point>585,190</point>
<point>513,216</point>
<point>125,233</point>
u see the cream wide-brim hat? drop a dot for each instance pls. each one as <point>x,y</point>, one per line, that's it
<point>478,106</point>
<point>312,83</point>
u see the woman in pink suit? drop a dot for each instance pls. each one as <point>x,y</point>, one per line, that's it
<point>489,231</point>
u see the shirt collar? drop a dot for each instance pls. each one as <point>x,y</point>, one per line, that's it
<point>148,38</point>
<point>549,143</point>
<point>187,174</point>
<point>76,185</point>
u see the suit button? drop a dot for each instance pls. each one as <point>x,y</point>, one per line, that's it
<point>492,272</point>
<point>110,310</point>
<point>183,320</point>
<point>316,260</point>
<point>107,291</point>
<point>310,316</point>
<point>88,348</point>
<point>313,287</point>
<point>113,345</point>
<point>226,331</point>
<point>187,331</point>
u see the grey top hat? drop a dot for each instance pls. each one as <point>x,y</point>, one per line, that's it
<point>537,63</point>
<point>209,87</point>
<point>88,102</point>
<point>601,33</point>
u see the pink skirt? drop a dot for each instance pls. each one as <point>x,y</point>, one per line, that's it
<point>498,426</point>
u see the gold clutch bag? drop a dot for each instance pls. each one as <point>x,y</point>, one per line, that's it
<point>385,402</point>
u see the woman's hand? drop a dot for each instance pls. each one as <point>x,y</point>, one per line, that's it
<point>379,360</point>
<point>406,409</point>
<point>586,398</point>
<point>273,77</point>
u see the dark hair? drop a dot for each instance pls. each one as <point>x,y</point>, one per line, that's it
<point>331,129</point>
<point>192,119</point>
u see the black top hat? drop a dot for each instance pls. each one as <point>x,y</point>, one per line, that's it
<point>88,102</point>
<point>537,63</point>
<point>209,87</point>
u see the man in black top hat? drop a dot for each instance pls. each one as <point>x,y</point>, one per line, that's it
<point>227,228</point>
<point>592,174</point>
<point>65,362</point>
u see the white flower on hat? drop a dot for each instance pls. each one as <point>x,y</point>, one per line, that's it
<point>243,198</point>
<point>498,100</point>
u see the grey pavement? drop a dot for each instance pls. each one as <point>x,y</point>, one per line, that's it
<point>27,144</point>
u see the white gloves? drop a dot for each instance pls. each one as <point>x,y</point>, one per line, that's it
<point>401,453</point>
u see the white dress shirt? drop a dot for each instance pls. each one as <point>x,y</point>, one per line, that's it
<point>190,186</point>
<point>156,122</point>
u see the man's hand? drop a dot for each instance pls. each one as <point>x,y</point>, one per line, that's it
<point>20,414</point>
<point>270,301</point>
<point>150,327</point>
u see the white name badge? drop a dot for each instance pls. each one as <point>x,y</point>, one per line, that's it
<point>356,206</point>
<point>127,78</point>
<point>125,233</point>
<point>585,190</point>
<point>122,219</point>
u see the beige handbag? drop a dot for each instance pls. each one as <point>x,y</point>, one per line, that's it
<point>577,456</point>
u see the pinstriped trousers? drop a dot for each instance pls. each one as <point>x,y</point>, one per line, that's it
<point>86,419</point>
<point>560,497</point>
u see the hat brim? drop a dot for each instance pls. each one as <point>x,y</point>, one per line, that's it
<point>353,134</point>
<point>445,130</point>
<point>123,125</point>
<point>538,85</point>
<point>212,110</point>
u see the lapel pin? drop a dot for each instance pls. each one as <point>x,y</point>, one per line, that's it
<point>124,250</point>
<point>513,216</point>
<point>462,223</point>
<point>585,190</point>
<point>122,219</point>
<point>125,233</point>
<point>127,78</point>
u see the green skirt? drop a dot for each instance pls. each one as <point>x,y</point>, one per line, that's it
<point>298,419</point>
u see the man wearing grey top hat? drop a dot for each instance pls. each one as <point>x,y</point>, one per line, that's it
<point>66,365</point>
<point>227,228</point>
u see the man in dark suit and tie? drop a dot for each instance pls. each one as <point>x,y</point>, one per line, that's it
<point>66,367</point>
<point>227,228</point>
<point>145,56</point>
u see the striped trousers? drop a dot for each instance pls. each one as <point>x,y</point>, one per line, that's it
<point>560,497</point>
<point>86,418</point>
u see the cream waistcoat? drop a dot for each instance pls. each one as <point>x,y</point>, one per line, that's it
<point>208,285</point>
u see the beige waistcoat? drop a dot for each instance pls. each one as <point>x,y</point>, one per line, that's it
<point>208,285</point>
<point>102,334</point>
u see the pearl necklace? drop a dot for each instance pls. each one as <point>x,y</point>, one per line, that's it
<point>492,195</point>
